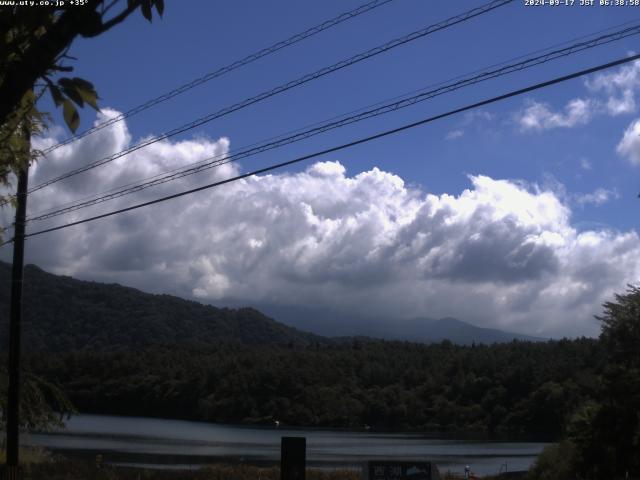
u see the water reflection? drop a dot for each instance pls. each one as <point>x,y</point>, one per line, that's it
<point>176,443</point>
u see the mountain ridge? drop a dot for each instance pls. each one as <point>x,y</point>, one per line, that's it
<point>62,313</point>
<point>331,322</point>
<point>65,314</point>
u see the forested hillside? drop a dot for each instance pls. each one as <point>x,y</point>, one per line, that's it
<point>519,387</point>
<point>65,314</point>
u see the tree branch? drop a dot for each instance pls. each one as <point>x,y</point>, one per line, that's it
<point>122,16</point>
<point>106,8</point>
<point>43,53</point>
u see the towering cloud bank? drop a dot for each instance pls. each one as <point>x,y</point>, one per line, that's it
<point>501,253</point>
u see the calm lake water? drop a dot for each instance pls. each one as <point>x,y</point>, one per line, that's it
<point>180,444</point>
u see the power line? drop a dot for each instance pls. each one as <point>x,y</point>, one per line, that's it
<point>94,198</point>
<point>358,110</point>
<point>287,86</point>
<point>343,17</point>
<point>344,146</point>
<point>504,62</point>
<point>218,160</point>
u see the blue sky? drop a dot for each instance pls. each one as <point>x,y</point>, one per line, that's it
<point>137,61</point>
<point>563,142</point>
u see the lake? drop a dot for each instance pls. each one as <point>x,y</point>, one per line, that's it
<point>160,443</point>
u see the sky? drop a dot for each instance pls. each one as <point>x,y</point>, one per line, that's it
<point>520,215</point>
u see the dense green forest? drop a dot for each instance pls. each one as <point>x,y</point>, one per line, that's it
<point>602,435</point>
<point>523,388</point>
<point>64,314</point>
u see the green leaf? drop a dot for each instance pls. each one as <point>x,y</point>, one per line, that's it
<point>71,116</point>
<point>69,89</point>
<point>87,91</point>
<point>82,83</point>
<point>160,6</point>
<point>61,68</point>
<point>145,6</point>
<point>56,94</point>
<point>40,31</point>
<point>29,98</point>
<point>65,82</point>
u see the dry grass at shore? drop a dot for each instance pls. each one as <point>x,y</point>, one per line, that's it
<point>63,469</point>
<point>39,464</point>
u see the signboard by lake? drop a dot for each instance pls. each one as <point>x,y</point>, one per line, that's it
<point>392,470</point>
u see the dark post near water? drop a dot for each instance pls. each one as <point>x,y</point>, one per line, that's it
<point>293,458</point>
<point>15,317</point>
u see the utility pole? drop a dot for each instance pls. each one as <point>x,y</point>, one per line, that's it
<point>15,318</point>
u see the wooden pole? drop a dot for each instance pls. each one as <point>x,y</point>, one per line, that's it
<point>15,318</point>
<point>293,458</point>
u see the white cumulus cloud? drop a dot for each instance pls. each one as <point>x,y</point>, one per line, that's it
<point>585,164</point>
<point>539,116</point>
<point>599,196</point>
<point>629,145</point>
<point>610,93</point>
<point>619,87</point>
<point>454,134</point>
<point>501,253</point>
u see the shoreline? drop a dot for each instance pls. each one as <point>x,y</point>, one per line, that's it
<point>443,434</point>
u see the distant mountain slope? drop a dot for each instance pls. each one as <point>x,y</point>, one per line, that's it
<point>62,313</point>
<point>335,323</point>
<point>464,333</point>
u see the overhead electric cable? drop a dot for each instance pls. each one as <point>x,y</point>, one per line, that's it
<point>547,49</point>
<point>344,146</point>
<point>287,86</point>
<point>298,37</point>
<point>361,109</point>
<point>222,159</point>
